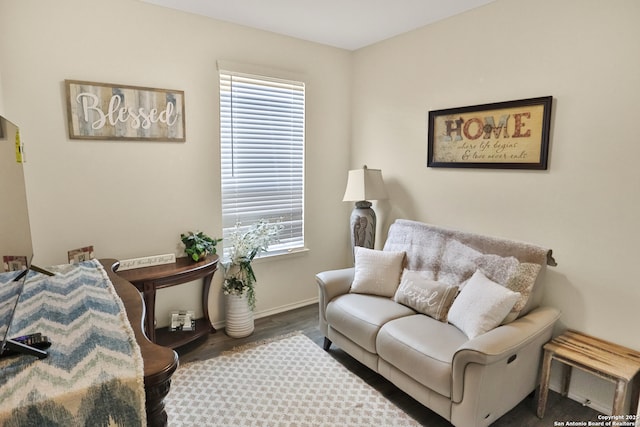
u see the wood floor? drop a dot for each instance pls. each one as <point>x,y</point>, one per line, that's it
<point>305,319</point>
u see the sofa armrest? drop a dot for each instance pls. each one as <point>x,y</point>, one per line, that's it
<point>334,282</point>
<point>525,334</point>
<point>331,284</point>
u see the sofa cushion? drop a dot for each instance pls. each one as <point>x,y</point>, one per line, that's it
<point>422,348</point>
<point>360,317</point>
<point>424,295</point>
<point>481,305</point>
<point>377,272</point>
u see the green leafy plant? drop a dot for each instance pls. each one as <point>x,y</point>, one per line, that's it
<point>198,245</point>
<point>245,243</point>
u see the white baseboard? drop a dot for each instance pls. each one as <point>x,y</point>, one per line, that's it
<point>272,311</point>
<point>604,407</point>
<point>284,308</point>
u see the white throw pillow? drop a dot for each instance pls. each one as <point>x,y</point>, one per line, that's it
<point>481,305</point>
<point>424,295</point>
<point>377,272</point>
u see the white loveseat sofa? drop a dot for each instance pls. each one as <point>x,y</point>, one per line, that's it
<point>425,313</point>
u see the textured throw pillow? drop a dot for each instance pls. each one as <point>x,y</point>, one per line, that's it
<point>425,296</point>
<point>377,272</point>
<point>460,261</point>
<point>497,268</point>
<point>481,305</point>
<point>522,282</point>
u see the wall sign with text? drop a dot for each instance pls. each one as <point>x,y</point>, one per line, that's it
<point>117,112</point>
<point>503,135</point>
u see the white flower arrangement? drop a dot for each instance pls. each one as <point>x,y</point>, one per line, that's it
<point>245,244</point>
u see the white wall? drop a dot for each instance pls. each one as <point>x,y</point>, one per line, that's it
<point>586,206</point>
<point>132,199</point>
<point>15,234</point>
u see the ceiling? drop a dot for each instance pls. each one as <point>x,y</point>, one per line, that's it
<point>347,24</point>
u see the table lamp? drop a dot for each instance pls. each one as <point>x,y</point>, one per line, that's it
<point>363,185</point>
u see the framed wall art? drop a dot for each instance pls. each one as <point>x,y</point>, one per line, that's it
<point>503,135</point>
<point>80,255</point>
<point>117,112</point>
<point>14,263</point>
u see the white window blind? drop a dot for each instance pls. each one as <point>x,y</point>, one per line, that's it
<point>262,155</point>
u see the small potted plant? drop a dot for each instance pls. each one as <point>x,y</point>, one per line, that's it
<point>198,245</point>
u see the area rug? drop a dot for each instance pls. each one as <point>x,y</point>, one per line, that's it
<point>283,383</point>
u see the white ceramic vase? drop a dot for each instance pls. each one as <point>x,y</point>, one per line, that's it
<point>239,316</point>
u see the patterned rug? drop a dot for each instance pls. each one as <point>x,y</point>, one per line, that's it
<point>287,382</point>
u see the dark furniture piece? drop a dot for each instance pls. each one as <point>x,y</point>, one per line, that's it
<point>150,279</point>
<point>159,362</point>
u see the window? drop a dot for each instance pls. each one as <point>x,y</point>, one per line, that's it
<point>262,155</point>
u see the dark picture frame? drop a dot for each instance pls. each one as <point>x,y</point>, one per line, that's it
<point>502,135</point>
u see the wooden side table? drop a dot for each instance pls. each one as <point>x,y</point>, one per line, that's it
<point>150,279</point>
<point>599,357</point>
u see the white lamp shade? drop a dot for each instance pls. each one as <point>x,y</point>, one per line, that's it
<point>364,184</point>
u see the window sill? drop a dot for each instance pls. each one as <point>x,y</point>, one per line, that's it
<point>266,256</point>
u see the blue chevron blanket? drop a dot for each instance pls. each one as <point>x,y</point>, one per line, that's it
<point>94,373</point>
